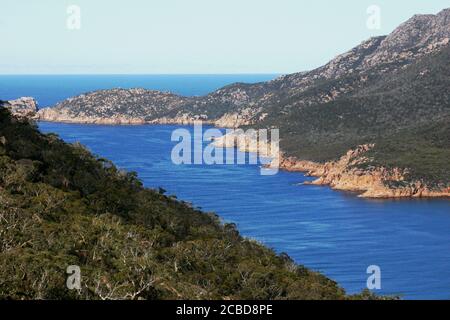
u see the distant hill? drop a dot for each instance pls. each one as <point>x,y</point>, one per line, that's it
<point>389,92</point>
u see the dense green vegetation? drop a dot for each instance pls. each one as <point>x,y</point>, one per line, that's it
<point>405,113</point>
<point>61,206</point>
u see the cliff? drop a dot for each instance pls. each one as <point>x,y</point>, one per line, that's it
<point>376,182</point>
<point>24,107</point>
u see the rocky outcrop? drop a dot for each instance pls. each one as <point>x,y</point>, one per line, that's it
<point>344,174</point>
<point>52,115</point>
<point>24,107</point>
<point>419,35</point>
<point>250,141</point>
<point>116,106</point>
<point>376,182</point>
<point>238,119</point>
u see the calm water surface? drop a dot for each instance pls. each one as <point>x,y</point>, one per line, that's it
<point>332,232</point>
<point>50,89</point>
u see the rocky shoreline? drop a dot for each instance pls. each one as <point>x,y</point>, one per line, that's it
<point>343,174</point>
<point>51,115</point>
<point>389,93</point>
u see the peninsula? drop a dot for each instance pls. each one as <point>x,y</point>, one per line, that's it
<point>375,120</point>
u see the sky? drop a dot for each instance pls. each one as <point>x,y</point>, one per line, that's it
<point>190,36</point>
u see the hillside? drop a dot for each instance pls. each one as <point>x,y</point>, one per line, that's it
<point>389,93</point>
<point>61,206</point>
<point>406,116</point>
<point>239,104</point>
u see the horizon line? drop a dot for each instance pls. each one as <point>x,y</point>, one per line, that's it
<point>144,74</point>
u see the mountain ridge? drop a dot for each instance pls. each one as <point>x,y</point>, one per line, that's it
<point>372,94</point>
<point>403,47</point>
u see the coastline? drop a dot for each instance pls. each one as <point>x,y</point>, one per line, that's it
<point>368,184</point>
<point>343,174</point>
<point>50,115</point>
<point>340,175</point>
<point>276,202</point>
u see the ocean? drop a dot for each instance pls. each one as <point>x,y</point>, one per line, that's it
<point>50,89</point>
<point>333,232</point>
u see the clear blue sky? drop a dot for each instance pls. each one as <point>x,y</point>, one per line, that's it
<point>189,36</point>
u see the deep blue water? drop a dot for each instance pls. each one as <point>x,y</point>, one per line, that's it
<point>50,89</point>
<point>332,232</point>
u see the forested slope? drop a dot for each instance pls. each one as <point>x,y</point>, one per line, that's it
<point>61,206</point>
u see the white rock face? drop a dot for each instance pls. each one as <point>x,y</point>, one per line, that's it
<point>25,107</point>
